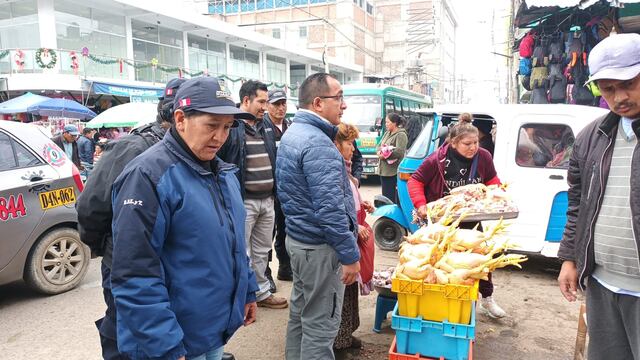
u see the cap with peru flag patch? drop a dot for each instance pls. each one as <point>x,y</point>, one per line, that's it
<point>208,95</point>
<point>171,89</point>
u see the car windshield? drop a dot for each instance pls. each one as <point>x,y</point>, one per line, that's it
<point>363,111</point>
<point>420,146</point>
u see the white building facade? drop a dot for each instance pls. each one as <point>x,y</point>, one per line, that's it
<point>129,47</point>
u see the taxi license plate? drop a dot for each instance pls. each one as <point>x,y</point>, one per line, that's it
<point>369,170</point>
<point>58,197</point>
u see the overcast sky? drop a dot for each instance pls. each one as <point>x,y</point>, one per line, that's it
<point>475,62</point>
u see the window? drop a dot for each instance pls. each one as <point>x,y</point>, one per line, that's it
<point>363,111</point>
<point>248,5</point>
<point>544,145</point>
<point>7,160</point>
<point>103,33</point>
<point>361,3</point>
<point>154,41</point>
<point>276,69</point>
<point>14,155</point>
<point>207,54</point>
<point>420,146</point>
<point>244,62</point>
<point>302,32</point>
<point>275,33</point>
<point>369,9</point>
<point>19,30</point>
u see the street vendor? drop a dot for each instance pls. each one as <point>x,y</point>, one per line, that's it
<point>459,162</point>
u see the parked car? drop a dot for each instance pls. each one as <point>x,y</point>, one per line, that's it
<point>39,185</point>
<point>533,144</point>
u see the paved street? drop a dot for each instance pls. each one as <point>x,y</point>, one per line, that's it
<point>540,325</point>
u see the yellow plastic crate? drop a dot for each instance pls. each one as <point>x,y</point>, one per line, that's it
<point>435,302</point>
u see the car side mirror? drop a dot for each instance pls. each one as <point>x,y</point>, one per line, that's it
<point>373,129</point>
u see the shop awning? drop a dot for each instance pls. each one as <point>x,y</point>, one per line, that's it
<point>107,88</point>
<point>533,11</point>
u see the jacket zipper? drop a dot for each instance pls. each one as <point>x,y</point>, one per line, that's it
<point>215,204</point>
<point>595,215</point>
<point>633,228</point>
<point>593,175</point>
<point>233,240</point>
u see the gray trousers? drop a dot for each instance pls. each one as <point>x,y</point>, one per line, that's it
<point>613,322</point>
<point>316,301</point>
<point>258,234</point>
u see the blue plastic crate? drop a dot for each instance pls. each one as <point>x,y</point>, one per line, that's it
<point>433,339</point>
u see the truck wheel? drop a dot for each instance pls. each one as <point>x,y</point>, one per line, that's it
<point>57,262</point>
<point>388,234</point>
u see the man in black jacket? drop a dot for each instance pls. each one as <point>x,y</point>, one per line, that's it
<point>94,205</point>
<point>67,142</point>
<point>276,119</point>
<point>252,147</point>
<point>600,244</point>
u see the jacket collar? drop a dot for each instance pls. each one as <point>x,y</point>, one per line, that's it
<point>313,119</point>
<point>610,124</point>
<point>218,166</point>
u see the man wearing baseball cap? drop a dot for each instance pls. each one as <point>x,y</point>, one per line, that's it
<point>94,204</point>
<point>275,116</point>
<point>600,245</point>
<point>67,142</point>
<point>181,276</point>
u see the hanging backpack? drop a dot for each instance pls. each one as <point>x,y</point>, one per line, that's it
<point>540,57</point>
<point>539,76</point>
<point>557,89</point>
<point>525,67</point>
<point>539,95</point>
<point>579,69</point>
<point>526,45</point>
<point>556,50</point>
<point>555,69</point>
<point>582,95</point>
<point>575,47</point>
<point>526,82</point>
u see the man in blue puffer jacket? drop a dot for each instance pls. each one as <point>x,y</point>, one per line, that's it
<point>321,223</point>
<point>180,276</point>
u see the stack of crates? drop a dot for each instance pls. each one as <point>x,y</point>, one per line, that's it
<point>433,321</point>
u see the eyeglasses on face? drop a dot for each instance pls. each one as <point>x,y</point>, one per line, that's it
<point>340,98</point>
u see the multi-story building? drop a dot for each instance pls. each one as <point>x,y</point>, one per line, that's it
<point>129,48</point>
<point>340,30</point>
<point>408,43</point>
<point>417,44</point>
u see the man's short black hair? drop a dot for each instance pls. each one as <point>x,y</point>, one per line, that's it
<point>250,88</point>
<point>87,131</point>
<point>313,86</point>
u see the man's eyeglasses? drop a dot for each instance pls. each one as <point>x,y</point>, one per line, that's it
<point>340,98</point>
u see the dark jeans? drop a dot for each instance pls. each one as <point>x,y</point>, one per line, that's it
<point>389,187</point>
<point>107,325</point>
<point>485,286</point>
<point>613,323</point>
<point>279,235</point>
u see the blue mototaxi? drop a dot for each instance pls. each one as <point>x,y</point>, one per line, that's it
<point>533,144</point>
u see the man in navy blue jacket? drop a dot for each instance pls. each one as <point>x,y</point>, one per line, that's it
<point>180,275</point>
<point>320,216</point>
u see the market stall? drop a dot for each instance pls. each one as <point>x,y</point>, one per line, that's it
<point>554,40</point>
